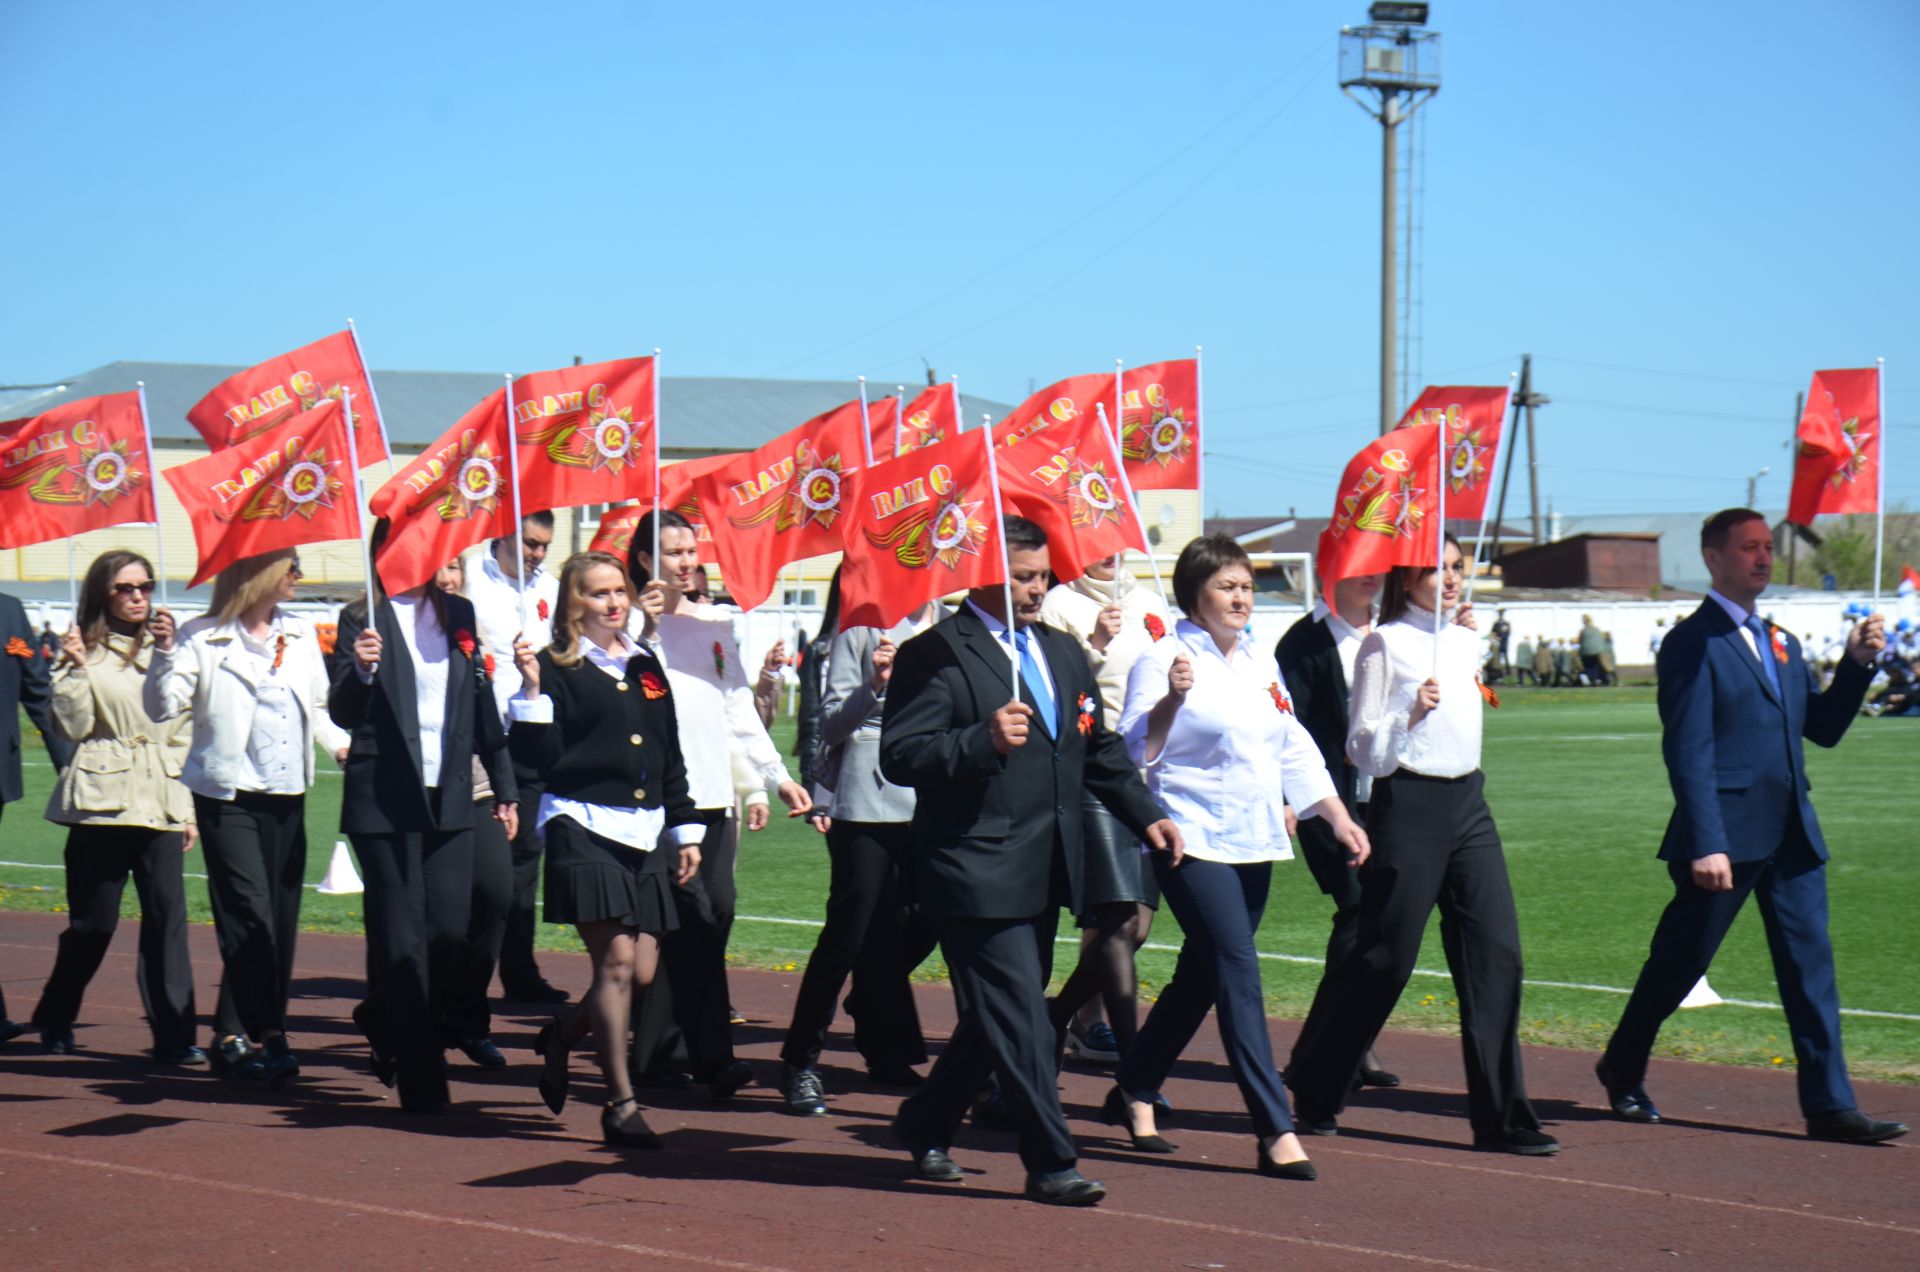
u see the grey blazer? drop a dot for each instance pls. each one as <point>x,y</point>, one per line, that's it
<point>850,714</point>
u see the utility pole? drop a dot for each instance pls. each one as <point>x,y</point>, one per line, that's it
<point>1530,399</point>
<point>1398,61</point>
<point>1510,436</point>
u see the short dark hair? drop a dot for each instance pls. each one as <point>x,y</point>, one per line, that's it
<point>543,519</point>
<point>642,541</point>
<point>1022,535</point>
<point>1199,561</point>
<point>1715,529</point>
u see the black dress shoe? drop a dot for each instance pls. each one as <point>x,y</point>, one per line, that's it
<point>384,1064</point>
<point>1301,1170</point>
<point>58,1042</point>
<point>428,1096</point>
<point>277,1061</point>
<point>234,1057</point>
<point>1377,1077</point>
<point>1310,1118</point>
<point>533,991</point>
<point>11,1029</point>
<point>1522,1142</point>
<point>665,1080</point>
<point>482,1052</point>
<point>904,1076</point>
<point>627,1129</point>
<point>729,1078</point>
<point>180,1057</point>
<point>1851,1126</point>
<point>1065,1188</point>
<point>1629,1104</point>
<point>1117,1114</point>
<point>552,1050</point>
<point>806,1095</point>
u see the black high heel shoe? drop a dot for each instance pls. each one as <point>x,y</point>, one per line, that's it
<point>1115,1111</point>
<point>629,1129</point>
<point>1301,1170</point>
<point>553,1071</point>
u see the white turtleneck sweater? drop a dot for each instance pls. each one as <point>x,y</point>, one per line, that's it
<point>1395,660</point>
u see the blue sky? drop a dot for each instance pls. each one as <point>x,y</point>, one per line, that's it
<point>1680,210</point>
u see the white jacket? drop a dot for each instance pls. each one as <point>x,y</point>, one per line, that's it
<point>201,674</point>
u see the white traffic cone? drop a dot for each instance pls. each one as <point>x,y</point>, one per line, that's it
<point>1702,995</point>
<point>342,879</point>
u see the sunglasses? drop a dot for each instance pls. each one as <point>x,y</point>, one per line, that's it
<point>295,572</point>
<point>128,589</point>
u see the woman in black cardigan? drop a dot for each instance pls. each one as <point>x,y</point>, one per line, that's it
<point>413,691</point>
<point>595,719</point>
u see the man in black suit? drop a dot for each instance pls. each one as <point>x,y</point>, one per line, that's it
<point>24,682</point>
<point>1316,659</point>
<point>997,850</point>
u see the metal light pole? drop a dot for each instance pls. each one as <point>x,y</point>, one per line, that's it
<point>1753,484</point>
<point>1397,61</point>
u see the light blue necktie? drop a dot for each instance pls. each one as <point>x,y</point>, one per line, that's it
<point>1763,644</point>
<point>1037,683</point>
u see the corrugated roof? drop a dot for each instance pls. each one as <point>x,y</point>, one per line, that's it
<point>701,414</point>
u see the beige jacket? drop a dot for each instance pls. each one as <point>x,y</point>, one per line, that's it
<point>126,767</point>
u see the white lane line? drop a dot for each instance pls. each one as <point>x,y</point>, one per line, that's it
<point>43,865</point>
<point>1303,960</point>
<point>391,1212</point>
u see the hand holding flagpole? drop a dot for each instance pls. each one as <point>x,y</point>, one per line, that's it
<point>159,536</point>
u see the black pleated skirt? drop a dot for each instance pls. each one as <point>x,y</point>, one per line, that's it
<point>1116,868</point>
<point>590,879</point>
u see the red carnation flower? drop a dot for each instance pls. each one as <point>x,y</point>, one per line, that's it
<point>1155,628</point>
<point>540,608</point>
<point>464,639</point>
<point>1280,698</point>
<point>486,664</point>
<point>651,685</point>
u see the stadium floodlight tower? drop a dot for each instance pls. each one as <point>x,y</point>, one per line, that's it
<point>1396,61</point>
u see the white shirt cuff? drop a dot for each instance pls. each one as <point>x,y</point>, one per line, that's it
<point>687,833</point>
<point>365,674</point>
<point>530,710</point>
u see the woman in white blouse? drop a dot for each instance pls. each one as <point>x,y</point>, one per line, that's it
<point>255,680</point>
<point>1208,719</point>
<point>1415,729</point>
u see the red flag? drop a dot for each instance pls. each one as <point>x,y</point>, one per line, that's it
<point>678,493</point>
<point>450,498</point>
<point>1059,403</point>
<point>289,487</point>
<point>1472,415</point>
<point>1160,424</point>
<point>614,534</point>
<point>782,502</point>
<point>1381,516</point>
<point>1837,468</point>
<point>261,398</point>
<point>1066,478</point>
<point>933,416</point>
<point>919,526</point>
<point>1909,578</point>
<point>586,434</point>
<point>81,466</point>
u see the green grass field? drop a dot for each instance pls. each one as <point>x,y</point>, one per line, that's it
<point>1576,782</point>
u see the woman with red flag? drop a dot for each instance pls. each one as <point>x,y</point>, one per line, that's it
<point>411,685</point>
<point>254,677</point>
<point>596,720</point>
<point>1415,729</point>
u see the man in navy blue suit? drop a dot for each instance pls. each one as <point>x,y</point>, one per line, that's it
<point>1736,698</point>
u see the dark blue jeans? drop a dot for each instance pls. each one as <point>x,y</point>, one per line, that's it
<point>1219,908</point>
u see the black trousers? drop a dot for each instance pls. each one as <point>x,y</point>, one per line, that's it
<point>1327,860</point>
<point>1434,842</point>
<point>419,895</point>
<point>468,1013</point>
<point>1219,907</point>
<point>517,967</point>
<point>872,934</point>
<point>999,969</point>
<point>255,847</point>
<point>687,1010</point>
<point>99,859</point>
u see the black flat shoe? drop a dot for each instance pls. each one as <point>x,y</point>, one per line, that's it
<point>384,1065</point>
<point>11,1029</point>
<point>1065,1188</point>
<point>234,1057</point>
<point>1378,1078</point>
<point>483,1052</point>
<point>1115,1111</point>
<point>277,1062</point>
<point>1521,1142</point>
<point>1301,1170</point>
<point>729,1079</point>
<point>553,1071</point>
<point>629,1129</point>
<point>1629,1104</point>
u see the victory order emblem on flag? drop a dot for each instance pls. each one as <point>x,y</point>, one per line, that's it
<point>1159,424</point>
<point>1836,467</point>
<point>937,520</point>
<point>263,397</point>
<point>449,498</point>
<point>812,479</point>
<point>585,434</point>
<point>83,465</point>
<point>1470,418</point>
<point>1385,498</point>
<point>919,527</point>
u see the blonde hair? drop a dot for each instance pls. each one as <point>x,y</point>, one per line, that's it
<point>249,581</point>
<point>567,613</point>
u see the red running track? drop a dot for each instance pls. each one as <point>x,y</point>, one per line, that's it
<point>105,1162</point>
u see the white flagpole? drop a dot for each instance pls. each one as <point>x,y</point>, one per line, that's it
<point>899,415</point>
<point>153,471</point>
<point>866,434</point>
<point>519,533</point>
<point>1120,462</point>
<point>379,417</point>
<point>1006,557</point>
<point>1126,485</point>
<point>1880,481</point>
<point>1439,544</point>
<point>1486,508</point>
<point>359,499</point>
<point>73,586</point>
<point>653,561</point>
<point>1199,441</point>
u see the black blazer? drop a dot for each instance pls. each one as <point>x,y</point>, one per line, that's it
<point>987,828</point>
<point>385,790</point>
<point>612,742</point>
<point>1310,664</point>
<point>24,682</point>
